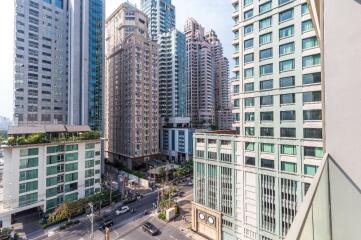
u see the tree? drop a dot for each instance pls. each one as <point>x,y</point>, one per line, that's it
<point>62,212</point>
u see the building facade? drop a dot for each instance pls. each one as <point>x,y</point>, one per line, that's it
<point>59,62</point>
<point>207,73</point>
<point>132,98</point>
<point>172,74</point>
<point>64,166</point>
<point>278,117</point>
<point>161,15</point>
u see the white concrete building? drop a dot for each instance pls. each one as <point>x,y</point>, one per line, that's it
<point>58,164</point>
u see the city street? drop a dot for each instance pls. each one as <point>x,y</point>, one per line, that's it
<point>126,226</point>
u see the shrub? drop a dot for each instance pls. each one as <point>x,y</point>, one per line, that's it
<point>162,216</point>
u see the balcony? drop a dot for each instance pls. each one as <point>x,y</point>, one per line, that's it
<point>331,208</point>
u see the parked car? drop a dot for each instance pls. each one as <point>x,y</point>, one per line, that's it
<point>130,200</point>
<point>121,210</point>
<point>150,228</point>
<point>104,223</point>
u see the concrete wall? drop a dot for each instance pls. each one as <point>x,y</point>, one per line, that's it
<point>342,65</point>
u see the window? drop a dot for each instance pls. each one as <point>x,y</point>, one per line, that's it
<point>304,9</point>
<point>267,132</point>
<point>287,81</point>
<point>248,72</point>
<point>281,2</point>
<point>287,32</point>
<point>315,133</point>
<point>248,14</point>
<point>249,87</point>
<point>288,98</point>
<point>249,102</point>
<point>51,181</point>
<point>312,60</point>
<point>89,146</point>
<point>90,172</point>
<point>288,132</point>
<point>28,199</point>
<point>89,154</point>
<point>59,3</point>
<point>247,2</point>
<point>236,103</point>
<point>29,152</point>
<point>267,148</point>
<point>71,156</point>
<point>250,161</point>
<point>265,7</point>
<point>266,116</point>
<point>286,15</point>
<point>313,152</point>
<point>265,23</point>
<point>89,182</point>
<point>249,131</point>
<point>266,69</point>
<point>236,61</point>
<point>266,84</point>
<point>248,43</point>
<point>71,167</point>
<point>288,115</point>
<point>248,29</point>
<point>267,163</point>
<point>27,175</point>
<point>265,38</point>
<point>47,1</point>
<point>266,100</point>
<point>310,170</point>
<point>307,26</point>
<point>71,177</point>
<point>236,117</point>
<point>28,163</point>
<point>312,96</point>
<point>287,48</point>
<point>248,58</point>
<point>28,187</point>
<point>288,149</point>
<point>249,116</point>
<point>308,43</point>
<point>71,147</point>
<point>287,65</point>
<point>236,34</point>
<point>266,53</point>
<point>288,167</point>
<point>312,115</point>
<point>55,149</point>
<point>89,163</point>
<point>236,89</point>
<point>249,146</point>
<point>311,78</point>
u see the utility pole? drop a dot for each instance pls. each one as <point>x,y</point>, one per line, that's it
<point>91,218</point>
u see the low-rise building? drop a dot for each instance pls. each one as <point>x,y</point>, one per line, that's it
<point>47,165</point>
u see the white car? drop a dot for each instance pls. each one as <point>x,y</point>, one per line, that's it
<point>122,210</point>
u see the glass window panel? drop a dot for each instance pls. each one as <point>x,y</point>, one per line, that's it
<point>287,81</point>
<point>288,115</point>
<point>267,163</point>
<point>315,133</point>
<point>310,170</point>
<point>265,23</point>
<point>249,116</point>
<point>248,14</point>
<point>287,48</point>
<point>267,132</point>
<point>249,87</point>
<point>288,149</point>
<point>266,100</point>
<point>249,146</point>
<point>289,98</point>
<point>312,96</point>
<point>248,29</point>
<point>287,65</point>
<point>248,72</point>
<point>304,9</point>
<point>265,7</point>
<point>286,15</point>
<point>307,26</point>
<point>266,84</point>
<point>266,53</point>
<point>312,115</point>
<point>249,131</point>
<point>288,167</point>
<point>309,43</point>
<point>311,78</point>
<point>265,38</point>
<point>288,132</point>
<point>266,69</point>
<point>266,116</point>
<point>248,43</point>
<point>286,32</point>
<point>247,2</point>
<point>267,147</point>
<point>249,102</point>
<point>248,58</point>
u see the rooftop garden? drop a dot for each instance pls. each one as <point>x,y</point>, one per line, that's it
<point>38,138</point>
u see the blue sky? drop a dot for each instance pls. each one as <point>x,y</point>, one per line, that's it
<point>212,14</point>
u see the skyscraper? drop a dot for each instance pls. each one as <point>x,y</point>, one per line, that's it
<point>251,182</point>
<point>207,75</point>
<point>59,62</point>
<point>132,98</point>
<point>161,15</point>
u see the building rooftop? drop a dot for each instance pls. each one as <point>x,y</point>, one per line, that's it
<point>224,132</point>
<point>19,130</point>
